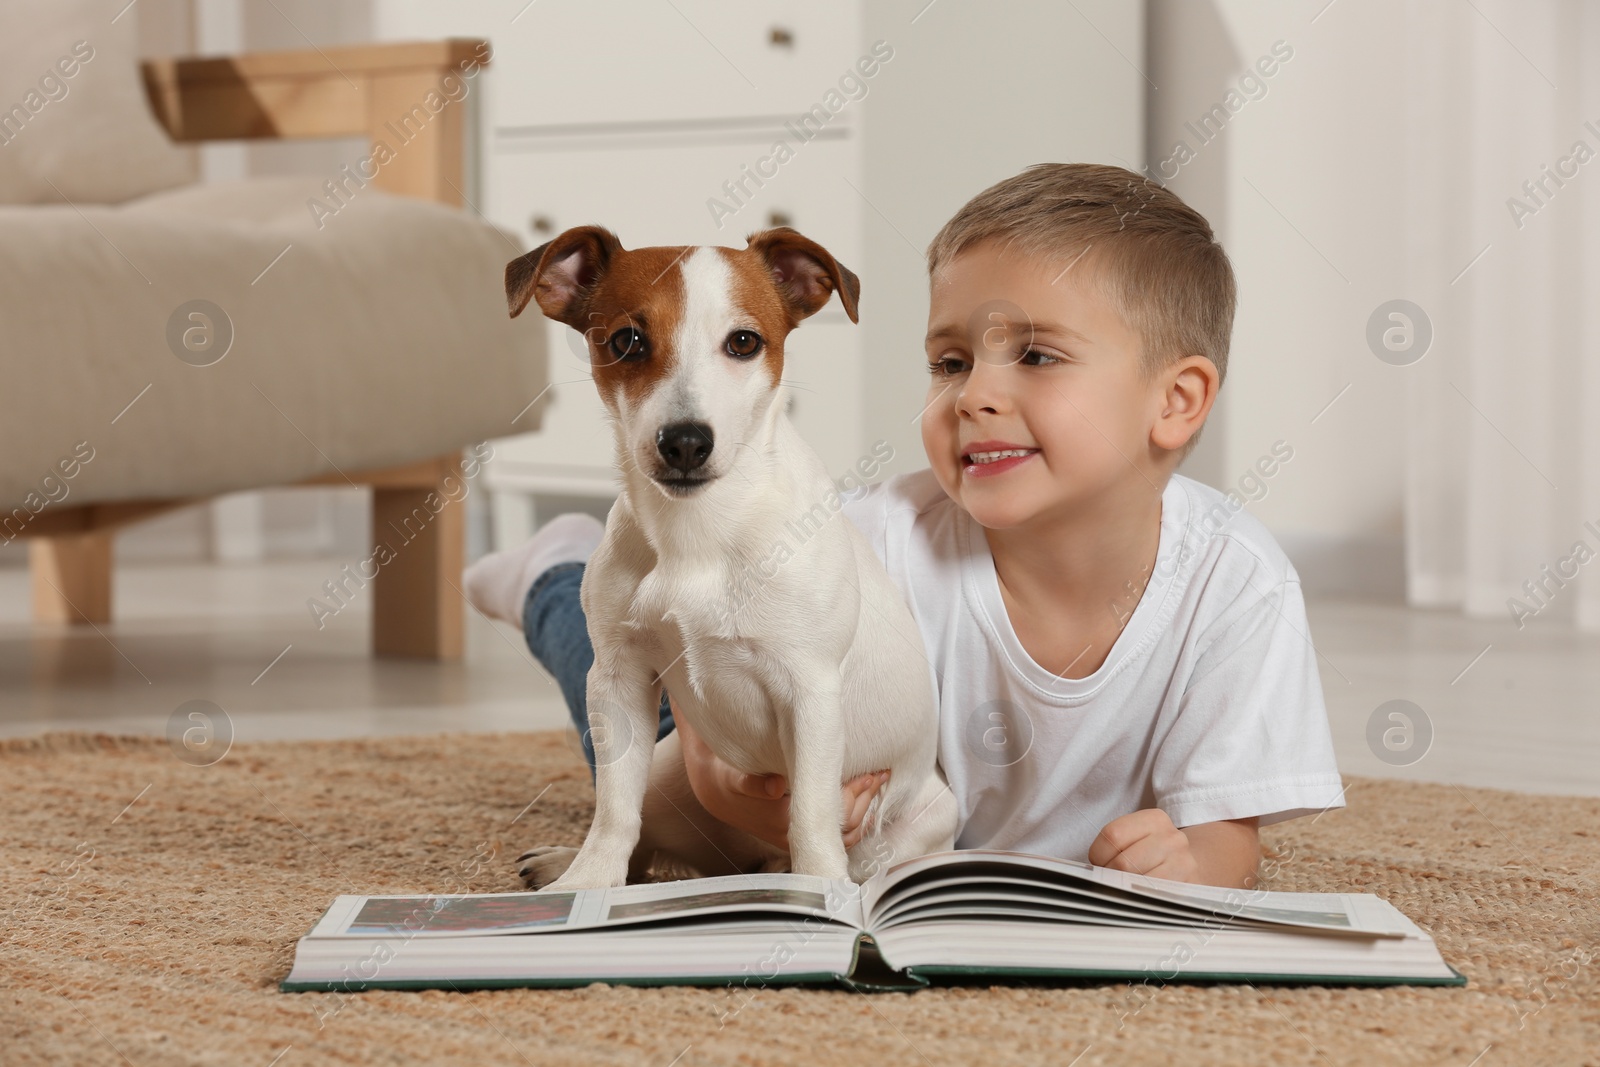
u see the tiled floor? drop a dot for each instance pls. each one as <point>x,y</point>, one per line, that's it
<point>1523,715</point>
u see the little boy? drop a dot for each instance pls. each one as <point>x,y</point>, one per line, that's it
<point>1125,670</point>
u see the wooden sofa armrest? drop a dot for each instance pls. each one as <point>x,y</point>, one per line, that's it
<point>408,98</point>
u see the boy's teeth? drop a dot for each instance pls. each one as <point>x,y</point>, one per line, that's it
<point>990,457</point>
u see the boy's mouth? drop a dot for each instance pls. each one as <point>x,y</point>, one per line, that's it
<point>993,452</point>
<point>985,462</point>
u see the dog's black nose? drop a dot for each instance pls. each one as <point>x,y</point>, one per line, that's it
<point>684,445</point>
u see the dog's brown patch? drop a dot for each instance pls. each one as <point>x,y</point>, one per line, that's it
<point>643,289</point>
<point>756,295</point>
<point>778,280</point>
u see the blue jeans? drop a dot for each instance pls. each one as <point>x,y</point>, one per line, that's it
<point>558,636</point>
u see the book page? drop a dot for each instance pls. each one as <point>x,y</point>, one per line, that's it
<point>1204,905</point>
<point>1333,912</point>
<point>962,946</point>
<point>728,899</point>
<point>976,885</point>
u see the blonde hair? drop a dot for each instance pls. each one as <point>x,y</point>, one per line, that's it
<point>1154,257</point>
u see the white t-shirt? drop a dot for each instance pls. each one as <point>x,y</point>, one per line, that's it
<point>1208,707</point>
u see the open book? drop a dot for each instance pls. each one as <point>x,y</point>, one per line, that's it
<point>964,913</point>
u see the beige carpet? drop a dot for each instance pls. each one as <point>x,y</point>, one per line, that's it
<point>153,906</point>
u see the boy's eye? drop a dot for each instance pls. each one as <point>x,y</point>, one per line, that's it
<point>941,366</point>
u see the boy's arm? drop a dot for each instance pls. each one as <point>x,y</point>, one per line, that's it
<point>758,804</point>
<point>1225,853</point>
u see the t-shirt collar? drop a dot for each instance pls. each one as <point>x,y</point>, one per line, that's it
<point>981,585</point>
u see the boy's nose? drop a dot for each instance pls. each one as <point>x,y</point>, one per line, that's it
<point>983,389</point>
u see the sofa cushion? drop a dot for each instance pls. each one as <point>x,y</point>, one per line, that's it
<point>74,121</point>
<point>372,334</point>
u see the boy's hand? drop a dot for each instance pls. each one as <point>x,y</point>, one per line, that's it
<point>758,804</point>
<point>1146,842</point>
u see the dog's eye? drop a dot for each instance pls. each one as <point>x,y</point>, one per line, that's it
<point>629,344</point>
<point>744,343</point>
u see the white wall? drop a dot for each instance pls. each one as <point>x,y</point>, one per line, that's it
<point>1304,186</point>
<point>975,93</point>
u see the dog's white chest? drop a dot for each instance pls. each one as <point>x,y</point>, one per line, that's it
<point>678,619</point>
<point>712,669</point>
<point>669,607</point>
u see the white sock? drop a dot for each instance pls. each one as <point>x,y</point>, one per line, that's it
<point>498,584</point>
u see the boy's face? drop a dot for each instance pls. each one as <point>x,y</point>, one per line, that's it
<point>1034,356</point>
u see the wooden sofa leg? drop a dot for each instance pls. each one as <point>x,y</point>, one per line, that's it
<point>71,577</point>
<point>417,609</point>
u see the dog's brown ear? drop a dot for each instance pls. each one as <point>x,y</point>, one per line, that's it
<point>561,274</point>
<point>806,274</point>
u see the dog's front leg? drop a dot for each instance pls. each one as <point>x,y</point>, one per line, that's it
<point>624,702</point>
<point>816,767</point>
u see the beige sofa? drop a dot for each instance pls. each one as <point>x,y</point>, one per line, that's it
<point>163,341</point>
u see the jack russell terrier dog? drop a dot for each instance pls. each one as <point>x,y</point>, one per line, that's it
<point>817,671</point>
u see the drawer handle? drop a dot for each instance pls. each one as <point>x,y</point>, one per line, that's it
<point>780,37</point>
<point>779,218</point>
<point>542,224</point>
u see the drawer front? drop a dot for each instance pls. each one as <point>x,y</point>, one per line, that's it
<point>572,449</point>
<point>674,194</point>
<point>822,377</point>
<point>610,61</point>
<point>586,62</point>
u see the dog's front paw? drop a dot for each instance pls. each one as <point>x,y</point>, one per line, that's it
<point>556,868</point>
<point>540,867</point>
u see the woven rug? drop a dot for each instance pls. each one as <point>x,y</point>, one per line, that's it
<point>152,907</point>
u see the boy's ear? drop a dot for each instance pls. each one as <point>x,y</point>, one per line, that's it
<point>1189,388</point>
<point>805,273</point>
<point>560,274</point>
